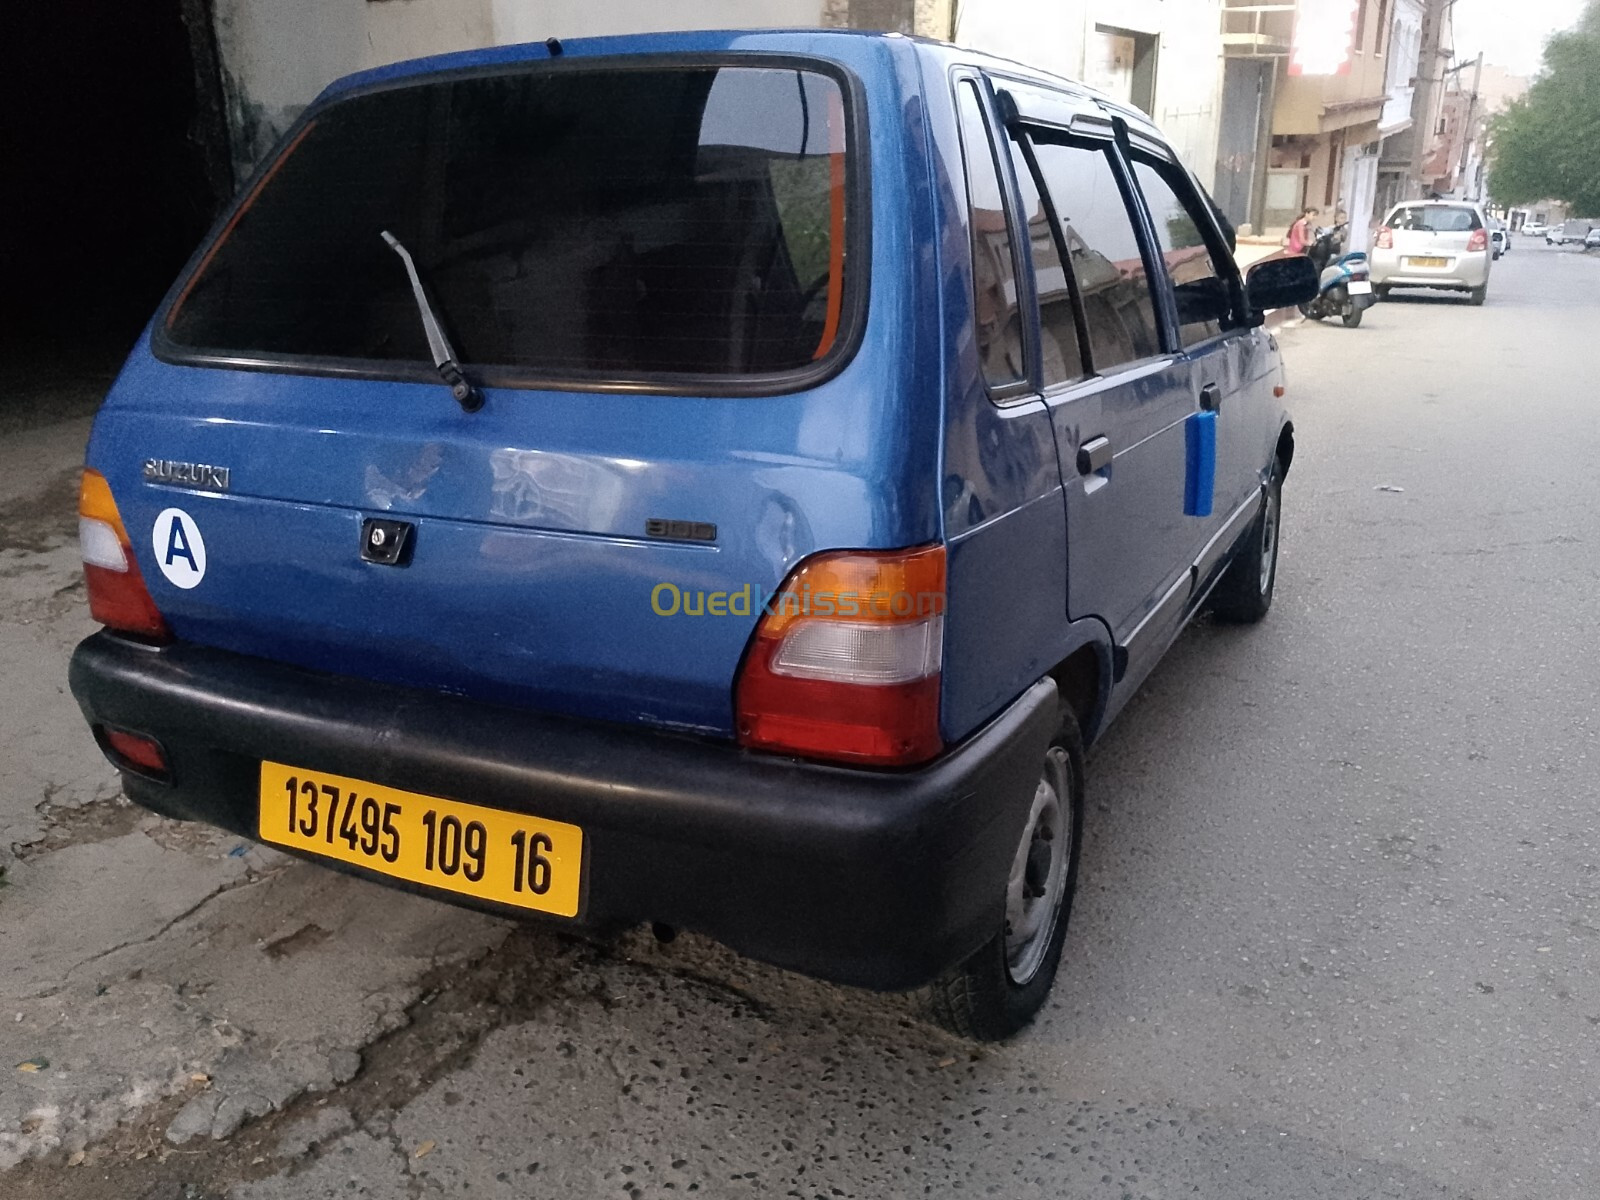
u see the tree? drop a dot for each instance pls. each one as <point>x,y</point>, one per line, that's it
<point>1547,144</point>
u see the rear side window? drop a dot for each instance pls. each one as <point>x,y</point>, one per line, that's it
<point>1199,286</point>
<point>1104,250</point>
<point>1428,218</point>
<point>997,321</point>
<point>1061,357</point>
<point>576,222</point>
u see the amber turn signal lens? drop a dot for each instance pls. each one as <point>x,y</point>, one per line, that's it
<point>118,598</point>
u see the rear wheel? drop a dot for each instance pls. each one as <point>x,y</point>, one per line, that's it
<point>1381,291</point>
<point>1351,316</point>
<point>1001,988</point>
<point>1478,295</point>
<point>1244,594</point>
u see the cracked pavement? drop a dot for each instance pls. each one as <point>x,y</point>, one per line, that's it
<point>1337,935</point>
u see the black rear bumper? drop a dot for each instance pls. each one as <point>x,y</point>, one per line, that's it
<point>872,878</point>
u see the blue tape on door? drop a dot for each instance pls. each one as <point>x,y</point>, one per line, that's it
<point>1200,476</point>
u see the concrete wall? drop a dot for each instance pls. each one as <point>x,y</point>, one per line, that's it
<point>276,57</point>
<point>278,54</point>
<point>535,20</point>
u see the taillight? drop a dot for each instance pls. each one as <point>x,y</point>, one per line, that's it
<point>845,661</point>
<point>1479,240</point>
<point>1385,239</point>
<point>118,597</point>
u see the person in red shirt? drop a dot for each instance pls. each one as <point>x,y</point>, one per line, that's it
<point>1302,233</point>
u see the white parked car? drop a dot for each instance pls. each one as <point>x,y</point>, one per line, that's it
<point>1534,229</point>
<point>1499,237</point>
<point>1433,244</point>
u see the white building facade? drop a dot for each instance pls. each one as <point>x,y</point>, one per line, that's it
<point>1160,56</point>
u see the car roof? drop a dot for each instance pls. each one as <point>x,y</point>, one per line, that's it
<point>767,40</point>
<point>614,46</point>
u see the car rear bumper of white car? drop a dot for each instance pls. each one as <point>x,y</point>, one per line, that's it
<point>1446,269</point>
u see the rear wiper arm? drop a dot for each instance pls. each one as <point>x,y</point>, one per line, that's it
<point>444,358</point>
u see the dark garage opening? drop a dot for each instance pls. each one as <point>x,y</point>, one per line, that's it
<point>115,163</point>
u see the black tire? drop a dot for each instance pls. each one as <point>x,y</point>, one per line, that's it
<point>982,998</point>
<point>1352,317</point>
<point>1244,594</point>
<point>1381,291</point>
<point>1478,295</point>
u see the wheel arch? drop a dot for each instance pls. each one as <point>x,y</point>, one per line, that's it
<point>1083,681</point>
<point>1284,452</point>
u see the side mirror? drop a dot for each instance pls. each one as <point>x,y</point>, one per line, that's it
<point>1281,283</point>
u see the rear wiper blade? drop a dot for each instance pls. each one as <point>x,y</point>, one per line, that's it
<point>444,358</point>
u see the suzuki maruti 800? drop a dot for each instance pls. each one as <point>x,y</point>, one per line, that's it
<point>720,480</point>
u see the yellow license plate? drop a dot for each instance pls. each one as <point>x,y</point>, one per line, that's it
<point>487,853</point>
<point>1428,262</point>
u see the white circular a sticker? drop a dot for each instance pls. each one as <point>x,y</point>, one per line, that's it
<point>180,550</point>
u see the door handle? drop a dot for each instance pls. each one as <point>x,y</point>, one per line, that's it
<point>1211,398</point>
<point>1094,455</point>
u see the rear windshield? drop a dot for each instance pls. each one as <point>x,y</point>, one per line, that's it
<point>611,223</point>
<point>1436,219</point>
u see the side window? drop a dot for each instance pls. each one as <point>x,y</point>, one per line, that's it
<point>1104,251</point>
<point>1200,285</point>
<point>1062,359</point>
<point>997,322</point>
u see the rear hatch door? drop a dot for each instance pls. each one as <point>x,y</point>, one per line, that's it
<point>1434,231</point>
<point>645,269</point>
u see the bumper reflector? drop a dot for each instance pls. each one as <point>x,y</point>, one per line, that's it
<point>134,752</point>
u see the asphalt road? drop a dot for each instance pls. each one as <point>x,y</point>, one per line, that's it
<point>1339,932</point>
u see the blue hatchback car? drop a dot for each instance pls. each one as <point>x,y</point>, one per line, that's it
<point>720,480</point>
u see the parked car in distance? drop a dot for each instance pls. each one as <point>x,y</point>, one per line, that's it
<point>1433,244</point>
<point>1499,237</point>
<point>1569,233</point>
<point>1534,229</point>
<point>1591,240</point>
<point>518,501</point>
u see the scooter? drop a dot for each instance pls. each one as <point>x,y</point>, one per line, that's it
<point>1346,290</point>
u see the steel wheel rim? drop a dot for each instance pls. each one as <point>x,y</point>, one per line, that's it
<point>1269,541</point>
<point>1038,880</point>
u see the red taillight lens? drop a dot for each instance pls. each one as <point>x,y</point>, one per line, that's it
<point>135,752</point>
<point>118,597</point>
<point>1385,239</point>
<point>1479,240</point>
<point>845,662</point>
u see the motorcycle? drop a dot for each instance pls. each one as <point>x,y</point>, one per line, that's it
<point>1346,282</point>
